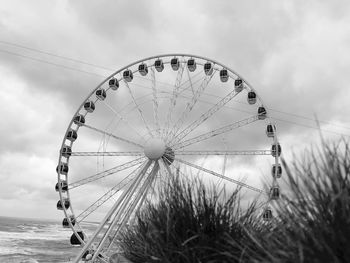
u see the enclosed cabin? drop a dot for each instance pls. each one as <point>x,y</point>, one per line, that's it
<point>62,168</point>
<point>65,222</point>
<point>143,69</point>
<point>128,76</point>
<point>191,64</point>
<point>64,186</point>
<point>274,192</point>
<point>159,65</point>
<point>66,151</point>
<point>224,75</point>
<point>267,214</point>
<point>270,130</point>
<point>276,150</point>
<point>175,63</point>
<point>72,135</point>
<point>262,113</point>
<point>79,120</point>
<point>113,84</point>
<point>89,106</point>
<point>208,68</point>
<point>74,240</point>
<point>276,170</point>
<point>66,204</point>
<point>251,98</point>
<point>101,94</point>
<point>238,85</point>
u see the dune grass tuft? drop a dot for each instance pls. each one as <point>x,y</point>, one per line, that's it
<point>190,223</point>
<point>313,221</point>
<point>193,223</point>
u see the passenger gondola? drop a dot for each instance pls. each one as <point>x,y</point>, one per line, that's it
<point>143,69</point>
<point>101,94</point>
<point>159,65</point>
<point>113,83</point>
<point>175,63</point>
<point>224,75</point>
<point>89,106</point>
<point>191,65</point>
<point>208,68</point>
<point>79,119</point>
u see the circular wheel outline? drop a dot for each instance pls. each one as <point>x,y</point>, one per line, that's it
<point>71,124</point>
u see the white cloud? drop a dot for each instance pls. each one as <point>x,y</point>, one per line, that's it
<point>296,55</point>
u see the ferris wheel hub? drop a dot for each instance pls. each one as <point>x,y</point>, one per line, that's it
<point>154,149</point>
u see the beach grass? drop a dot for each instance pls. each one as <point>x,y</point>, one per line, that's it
<point>192,222</point>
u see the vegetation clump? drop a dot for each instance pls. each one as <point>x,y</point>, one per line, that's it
<point>313,220</point>
<point>193,223</point>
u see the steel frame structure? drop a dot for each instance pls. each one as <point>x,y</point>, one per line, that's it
<point>174,137</point>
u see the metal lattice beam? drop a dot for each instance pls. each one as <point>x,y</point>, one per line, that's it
<point>173,99</point>
<point>216,132</point>
<point>105,173</point>
<point>223,177</point>
<point>107,196</point>
<point>138,108</point>
<point>113,136</point>
<point>133,153</point>
<point>205,116</point>
<point>207,153</point>
<point>190,105</point>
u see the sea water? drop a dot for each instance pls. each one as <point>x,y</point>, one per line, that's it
<point>33,240</point>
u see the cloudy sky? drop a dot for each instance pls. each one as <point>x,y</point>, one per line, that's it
<point>296,54</point>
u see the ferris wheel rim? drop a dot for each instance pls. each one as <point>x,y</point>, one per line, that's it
<point>103,82</point>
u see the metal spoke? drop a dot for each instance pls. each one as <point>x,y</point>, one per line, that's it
<point>127,207</point>
<point>135,204</point>
<point>108,195</point>
<point>205,116</point>
<point>155,101</point>
<point>190,81</point>
<point>106,173</point>
<point>173,99</point>
<point>190,105</point>
<point>113,136</point>
<point>222,176</point>
<point>138,108</point>
<point>133,153</point>
<point>252,152</point>
<point>123,119</point>
<point>123,199</point>
<point>216,132</point>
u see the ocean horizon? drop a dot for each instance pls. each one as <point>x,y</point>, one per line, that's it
<point>30,240</point>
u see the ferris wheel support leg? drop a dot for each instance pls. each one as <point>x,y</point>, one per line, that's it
<point>104,198</point>
<point>125,216</point>
<point>114,208</point>
<point>137,202</point>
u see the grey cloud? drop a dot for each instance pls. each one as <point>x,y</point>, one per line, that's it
<point>115,20</point>
<point>275,45</point>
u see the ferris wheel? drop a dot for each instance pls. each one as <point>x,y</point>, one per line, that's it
<point>154,118</point>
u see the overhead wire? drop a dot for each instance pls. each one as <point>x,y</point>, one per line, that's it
<point>279,111</point>
<point>55,55</point>
<point>311,127</point>
<point>109,69</point>
<point>50,63</point>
